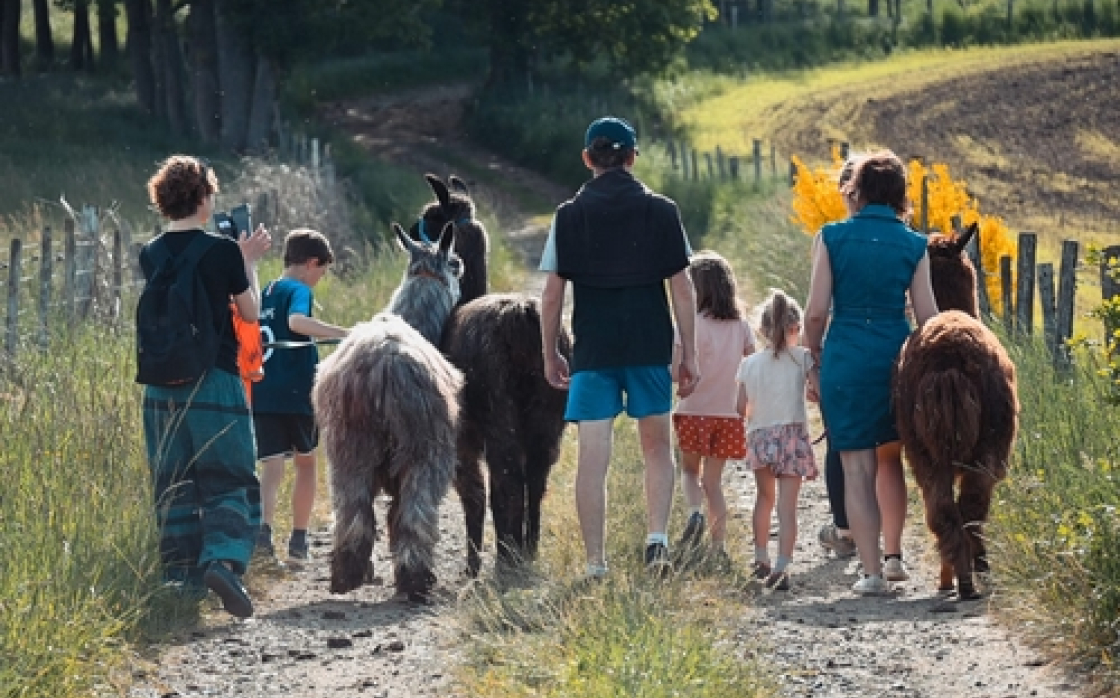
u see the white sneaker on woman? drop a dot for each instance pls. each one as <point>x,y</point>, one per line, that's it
<point>871,585</point>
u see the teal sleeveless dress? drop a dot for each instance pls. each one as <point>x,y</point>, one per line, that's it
<point>873,256</point>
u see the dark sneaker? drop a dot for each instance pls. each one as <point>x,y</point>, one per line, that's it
<point>227,585</point>
<point>299,552</point>
<point>778,581</point>
<point>657,559</point>
<point>760,570</point>
<point>263,546</point>
<point>693,531</point>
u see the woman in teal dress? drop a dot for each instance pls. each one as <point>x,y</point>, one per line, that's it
<point>863,270</point>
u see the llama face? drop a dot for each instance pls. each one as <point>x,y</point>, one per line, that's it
<point>434,260</point>
<point>951,272</point>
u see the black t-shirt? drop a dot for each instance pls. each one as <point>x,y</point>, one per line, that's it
<point>222,269</point>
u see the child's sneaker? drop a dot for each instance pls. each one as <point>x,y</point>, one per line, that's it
<point>778,581</point>
<point>894,570</point>
<point>657,559</point>
<point>299,552</point>
<point>693,531</point>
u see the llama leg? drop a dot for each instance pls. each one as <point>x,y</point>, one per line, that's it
<point>414,517</point>
<point>944,520</point>
<point>507,501</point>
<point>472,494</point>
<point>975,502</point>
<point>536,473</point>
<point>354,531</point>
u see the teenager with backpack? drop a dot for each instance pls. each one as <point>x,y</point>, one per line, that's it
<point>197,427</point>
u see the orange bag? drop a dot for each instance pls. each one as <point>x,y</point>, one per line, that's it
<point>250,354</point>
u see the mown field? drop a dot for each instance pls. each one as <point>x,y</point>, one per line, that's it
<point>1034,130</point>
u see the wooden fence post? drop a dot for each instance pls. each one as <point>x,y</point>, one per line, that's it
<point>1049,312</point>
<point>925,205</point>
<point>733,166</point>
<point>710,165</point>
<point>117,292</point>
<point>757,151</point>
<point>86,279</point>
<point>1005,293</point>
<point>1067,298</point>
<point>11,334</point>
<point>672,149</point>
<point>695,165</point>
<point>1024,284</point>
<point>46,274</point>
<point>773,161</point>
<point>792,173</point>
<point>721,163</point>
<point>69,279</point>
<point>974,254</point>
<point>1110,285</point>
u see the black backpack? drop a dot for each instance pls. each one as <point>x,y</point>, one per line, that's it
<point>175,338</point>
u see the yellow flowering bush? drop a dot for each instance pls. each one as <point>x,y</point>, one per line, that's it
<point>817,201</point>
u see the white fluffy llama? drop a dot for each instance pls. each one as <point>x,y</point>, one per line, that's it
<point>387,402</point>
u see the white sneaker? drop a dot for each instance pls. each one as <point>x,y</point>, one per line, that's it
<point>894,570</point>
<point>871,585</point>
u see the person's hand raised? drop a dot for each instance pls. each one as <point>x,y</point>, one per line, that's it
<point>254,245</point>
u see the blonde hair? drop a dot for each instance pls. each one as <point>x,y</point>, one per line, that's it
<point>779,313</point>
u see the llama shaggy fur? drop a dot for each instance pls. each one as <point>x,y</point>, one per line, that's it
<point>511,416</point>
<point>387,403</point>
<point>958,414</point>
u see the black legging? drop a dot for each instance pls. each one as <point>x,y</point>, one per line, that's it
<point>834,483</point>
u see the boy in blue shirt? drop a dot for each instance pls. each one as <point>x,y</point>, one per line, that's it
<point>283,418</point>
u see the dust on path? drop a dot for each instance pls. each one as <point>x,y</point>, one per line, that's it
<point>823,641</point>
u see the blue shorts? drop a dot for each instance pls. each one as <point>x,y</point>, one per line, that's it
<point>598,394</point>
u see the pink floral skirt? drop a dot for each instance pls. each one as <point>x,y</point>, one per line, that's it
<point>785,449</point>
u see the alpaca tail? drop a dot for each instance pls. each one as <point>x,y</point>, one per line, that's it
<point>947,414</point>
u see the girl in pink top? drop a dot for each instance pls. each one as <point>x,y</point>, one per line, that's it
<point>772,398</point>
<point>709,430</point>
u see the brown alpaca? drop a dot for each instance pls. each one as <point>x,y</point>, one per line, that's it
<point>511,416</point>
<point>957,413</point>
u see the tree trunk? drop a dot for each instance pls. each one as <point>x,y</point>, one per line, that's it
<point>264,107</point>
<point>872,8</point>
<point>236,73</point>
<point>81,43</point>
<point>170,67</point>
<point>44,39</point>
<point>202,29</point>
<point>9,37</point>
<point>107,32</point>
<point>139,13</point>
<point>510,54</point>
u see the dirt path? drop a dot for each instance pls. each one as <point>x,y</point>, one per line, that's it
<point>825,642</point>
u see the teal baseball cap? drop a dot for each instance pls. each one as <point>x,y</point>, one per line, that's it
<point>618,131</point>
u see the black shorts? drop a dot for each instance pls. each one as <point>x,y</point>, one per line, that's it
<point>284,434</point>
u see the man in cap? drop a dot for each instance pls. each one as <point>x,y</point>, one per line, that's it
<point>617,242</point>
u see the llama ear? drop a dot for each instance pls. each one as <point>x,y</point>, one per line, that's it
<point>966,237</point>
<point>447,238</point>
<point>439,189</point>
<point>402,237</point>
<point>458,185</point>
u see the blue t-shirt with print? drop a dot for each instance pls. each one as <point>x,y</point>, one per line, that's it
<point>288,373</point>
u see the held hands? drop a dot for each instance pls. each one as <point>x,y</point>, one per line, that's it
<point>556,370</point>
<point>254,245</point>
<point>688,376</point>
<point>813,384</point>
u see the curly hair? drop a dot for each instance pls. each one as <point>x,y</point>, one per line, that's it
<point>716,290</point>
<point>180,185</point>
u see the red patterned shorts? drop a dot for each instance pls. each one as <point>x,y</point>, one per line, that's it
<point>712,437</point>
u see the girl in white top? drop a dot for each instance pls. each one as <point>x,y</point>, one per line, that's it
<point>772,397</point>
<point>709,430</point>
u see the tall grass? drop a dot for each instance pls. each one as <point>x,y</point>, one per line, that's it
<point>1056,532</point>
<point>551,633</point>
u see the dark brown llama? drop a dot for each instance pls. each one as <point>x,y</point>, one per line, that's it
<point>511,416</point>
<point>957,414</point>
<point>387,402</point>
